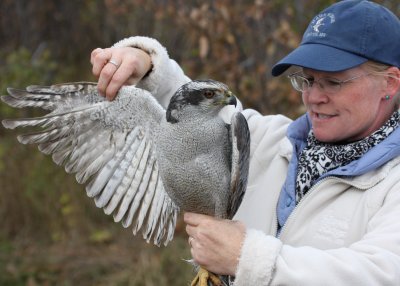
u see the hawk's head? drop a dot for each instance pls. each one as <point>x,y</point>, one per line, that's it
<point>203,96</point>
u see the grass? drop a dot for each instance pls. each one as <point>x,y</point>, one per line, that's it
<point>53,234</point>
<point>120,260</point>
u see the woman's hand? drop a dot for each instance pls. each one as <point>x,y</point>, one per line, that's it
<point>115,67</point>
<point>215,243</point>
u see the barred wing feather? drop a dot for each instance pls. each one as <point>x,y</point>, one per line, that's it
<point>108,145</point>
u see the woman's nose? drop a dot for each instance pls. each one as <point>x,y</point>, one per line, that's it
<point>315,95</point>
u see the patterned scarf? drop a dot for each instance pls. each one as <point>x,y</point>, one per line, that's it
<point>318,158</point>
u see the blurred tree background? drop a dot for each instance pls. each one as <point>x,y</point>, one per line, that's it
<point>51,233</point>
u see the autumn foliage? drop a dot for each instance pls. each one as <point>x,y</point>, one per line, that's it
<point>51,234</point>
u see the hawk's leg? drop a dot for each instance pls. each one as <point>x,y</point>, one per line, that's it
<point>206,278</point>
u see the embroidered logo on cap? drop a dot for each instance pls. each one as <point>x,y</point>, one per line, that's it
<point>319,23</point>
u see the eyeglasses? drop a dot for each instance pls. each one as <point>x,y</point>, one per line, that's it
<point>326,84</point>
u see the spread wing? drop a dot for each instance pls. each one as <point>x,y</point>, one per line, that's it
<point>240,138</point>
<point>109,145</point>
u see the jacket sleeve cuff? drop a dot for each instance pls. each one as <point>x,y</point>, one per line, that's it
<point>165,77</point>
<point>257,260</point>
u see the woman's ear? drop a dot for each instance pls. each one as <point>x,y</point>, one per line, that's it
<point>392,81</point>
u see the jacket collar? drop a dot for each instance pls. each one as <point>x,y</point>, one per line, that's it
<point>372,161</point>
<point>296,134</point>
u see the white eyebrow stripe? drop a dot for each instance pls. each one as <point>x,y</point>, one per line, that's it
<point>199,85</point>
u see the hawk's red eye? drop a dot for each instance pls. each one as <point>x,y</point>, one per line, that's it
<point>209,93</point>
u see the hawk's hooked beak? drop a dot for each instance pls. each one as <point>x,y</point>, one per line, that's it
<point>230,98</point>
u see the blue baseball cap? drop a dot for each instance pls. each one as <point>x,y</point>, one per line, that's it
<point>346,35</point>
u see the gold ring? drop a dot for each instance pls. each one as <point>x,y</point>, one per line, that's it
<point>115,63</point>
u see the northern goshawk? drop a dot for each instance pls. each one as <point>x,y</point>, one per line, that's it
<point>140,162</point>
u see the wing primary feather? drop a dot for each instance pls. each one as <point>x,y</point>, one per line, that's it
<point>98,162</point>
<point>135,175</point>
<point>154,212</point>
<point>92,148</point>
<point>116,178</point>
<point>50,134</point>
<point>85,173</point>
<point>98,183</point>
<point>160,230</point>
<point>52,147</point>
<point>127,180</point>
<point>75,139</point>
<point>37,95</point>
<point>23,122</point>
<point>67,88</point>
<point>137,200</point>
<point>21,103</point>
<point>171,221</point>
<point>103,198</point>
<point>55,118</point>
<point>133,188</point>
<point>171,224</point>
<point>151,217</point>
<point>147,199</point>
<point>60,157</point>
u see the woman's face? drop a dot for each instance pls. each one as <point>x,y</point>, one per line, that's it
<point>358,109</point>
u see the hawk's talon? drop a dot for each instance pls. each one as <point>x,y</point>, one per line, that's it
<point>204,277</point>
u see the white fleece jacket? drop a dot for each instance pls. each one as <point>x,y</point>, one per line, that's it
<point>344,232</point>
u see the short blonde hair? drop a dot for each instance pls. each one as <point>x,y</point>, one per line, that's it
<point>377,68</point>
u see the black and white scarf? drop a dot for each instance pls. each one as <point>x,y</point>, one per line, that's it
<point>317,158</point>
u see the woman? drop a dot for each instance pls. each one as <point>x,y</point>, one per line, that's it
<point>322,204</point>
